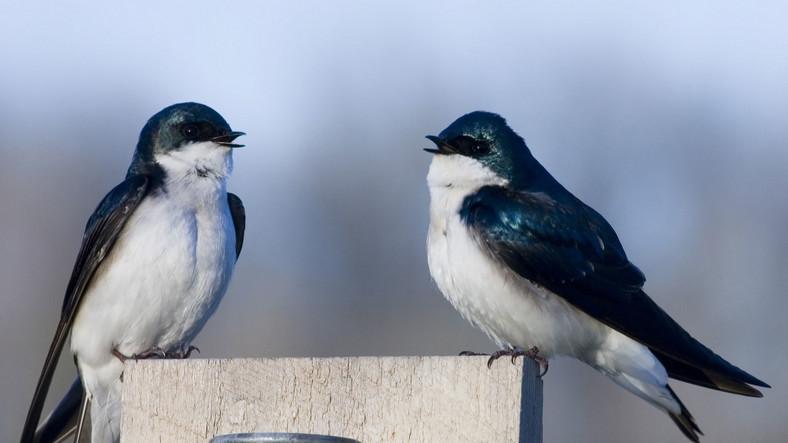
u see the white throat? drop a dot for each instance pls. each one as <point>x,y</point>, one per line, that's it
<point>206,160</point>
<point>196,174</point>
<point>453,177</point>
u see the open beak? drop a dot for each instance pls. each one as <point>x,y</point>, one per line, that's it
<point>227,139</point>
<point>444,148</point>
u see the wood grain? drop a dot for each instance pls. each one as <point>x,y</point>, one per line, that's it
<point>372,399</point>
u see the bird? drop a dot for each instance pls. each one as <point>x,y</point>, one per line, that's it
<point>542,274</point>
<point>156,259</point>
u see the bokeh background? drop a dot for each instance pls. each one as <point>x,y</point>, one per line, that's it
<point>667,117</point>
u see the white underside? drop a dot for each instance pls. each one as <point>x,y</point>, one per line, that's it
<point>163,279</point>
<point>512,311</point>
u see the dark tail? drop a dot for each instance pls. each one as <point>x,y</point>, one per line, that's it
<point>719,375</point>
<point>62,422</point>
<point>44,380</point>
<point>684,357</point>
<point>685,421</point>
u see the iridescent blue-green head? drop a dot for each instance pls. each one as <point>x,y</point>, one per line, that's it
<point>179,128</point>
<point>484,139</point>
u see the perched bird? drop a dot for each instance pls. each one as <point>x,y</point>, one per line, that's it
<point>155,262</point>
<point>542,274</point>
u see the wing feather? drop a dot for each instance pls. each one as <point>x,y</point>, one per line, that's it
<point>239,220</point>
<point>103,228</point>
<point>570,249</point>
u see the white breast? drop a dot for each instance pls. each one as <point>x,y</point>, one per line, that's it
<point>162,280</point>
<point>514,312</point>
<point>508,308</point>
<point>167,272</point>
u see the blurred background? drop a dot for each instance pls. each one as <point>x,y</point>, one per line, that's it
<point>669,118</point>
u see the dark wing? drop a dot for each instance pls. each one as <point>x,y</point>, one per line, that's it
<point>101,232</point>
<point>239,220</point>
<point>568,248</point>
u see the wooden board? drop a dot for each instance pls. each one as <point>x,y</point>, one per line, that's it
<point>372,399</point>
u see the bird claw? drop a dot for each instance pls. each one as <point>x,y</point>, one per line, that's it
<point>188,352</point>
<point>150,353</point>
<point>532,353</point>
<point>119,356</point>
<point>471,353</point>
<point>544,364</point>
<point>156,352</point>
<point>498,354</point>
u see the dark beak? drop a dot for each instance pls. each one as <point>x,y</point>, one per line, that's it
<point>227,139</point>
<point>443,147</point>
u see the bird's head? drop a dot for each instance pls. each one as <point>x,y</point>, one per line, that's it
<point>184,135</point>
<point>478,149</point>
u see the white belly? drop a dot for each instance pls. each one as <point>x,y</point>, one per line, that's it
<point>163,279</point>
<point>508,308</point>
<point>514,312</point>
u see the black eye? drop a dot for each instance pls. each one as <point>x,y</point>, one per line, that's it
<point>470,146</point>
<point>480,148</point>
<point>190,131</point>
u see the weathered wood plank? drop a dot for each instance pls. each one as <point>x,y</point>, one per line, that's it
<point>372,399</point>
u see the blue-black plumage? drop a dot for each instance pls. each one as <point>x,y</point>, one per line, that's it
<point>156,258</point>
<point>535,268</point>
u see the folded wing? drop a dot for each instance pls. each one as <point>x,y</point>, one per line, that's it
<point>570,249</point>
<point>101,231</point>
